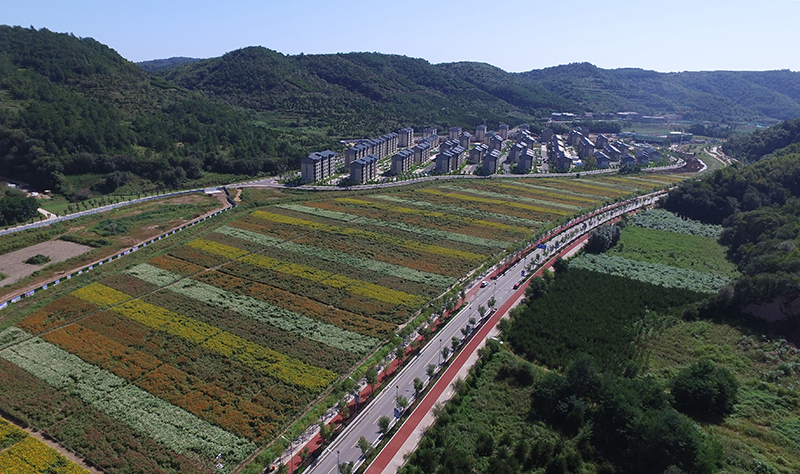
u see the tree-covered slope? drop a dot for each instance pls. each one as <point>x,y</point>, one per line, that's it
<point>77,118</point>
<point>759,209</point>
<point>707,95</point>
<point>353,93</point>
<point>512,88</point>
<point>73,107</point>
<point>783,138</point>
<point>168,63</point>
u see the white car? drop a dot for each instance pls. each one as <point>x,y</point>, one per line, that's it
<point>484,284</point>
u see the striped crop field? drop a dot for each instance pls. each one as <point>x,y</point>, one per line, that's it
<point>213,344</point>
<point>24,454</point>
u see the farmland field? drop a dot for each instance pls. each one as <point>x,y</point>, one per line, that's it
<point>659,247</point>
<point>98,235</point>
<point>215,342</point>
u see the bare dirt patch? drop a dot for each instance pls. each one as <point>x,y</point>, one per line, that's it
<point>14,267</point>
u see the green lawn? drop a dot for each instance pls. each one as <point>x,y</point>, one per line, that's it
<point>702,254</point>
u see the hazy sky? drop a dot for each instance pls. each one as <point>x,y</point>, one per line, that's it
<point>516,35</point>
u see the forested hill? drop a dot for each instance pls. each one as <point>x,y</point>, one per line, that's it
<point>780,139</point>
<point>353,93</point>
<point>759,209</point>
<point>77,118</point>
<point>159,64</point>
<point>357,90</point>
<point>707,95</point>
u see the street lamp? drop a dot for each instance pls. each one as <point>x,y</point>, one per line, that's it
<point>440,352</point>
<point>284,438</point>
<point>291,452</point>
<point>338,463</point>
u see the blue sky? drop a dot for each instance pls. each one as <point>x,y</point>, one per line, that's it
<point>515,35</point>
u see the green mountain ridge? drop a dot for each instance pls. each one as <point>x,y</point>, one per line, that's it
<point>78,118</point>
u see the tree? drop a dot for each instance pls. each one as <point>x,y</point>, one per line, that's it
<point>431,370</point>
<point>445,352</point>
<point>346,468</point>
<point>344,408</point>
<point>365,447</point>
<point>418,386</point>
<point>491,302</point>
<point>603,238</point>
<point>560,266</point>
<point>705,391</point>
<point>455,342</point>
<point>325,431</point>
<point>482,311</point>
<point>383,424</point>
<point>402,402</point>
<point>372,377</point>
<point>424,331</point>
<point>472,321</point>
<point>537,287</point>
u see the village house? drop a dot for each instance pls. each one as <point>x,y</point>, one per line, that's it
<point>402,162</point>
<point>480,133</point>
<point>503,131</point>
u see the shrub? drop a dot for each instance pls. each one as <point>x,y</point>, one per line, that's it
<point>705,391</point>
<point>38,259</point>
<point>603,238</point>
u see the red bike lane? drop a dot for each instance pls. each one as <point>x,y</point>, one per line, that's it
<point>391,449</point>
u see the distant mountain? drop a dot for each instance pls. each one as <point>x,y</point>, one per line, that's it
<point>715,95</point>
<point>78,118</point>
<point>161,64</point>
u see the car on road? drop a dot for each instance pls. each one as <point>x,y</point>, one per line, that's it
<point>484,284</point>
<point>516,285</point>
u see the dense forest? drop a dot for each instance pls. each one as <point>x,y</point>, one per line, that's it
<point>718,96</point>
<point>15,206</point>
<point>759,209</point>
<point>73,107</point>
<point>780,139</point>
<point>350,94</point>
<point>582,406</point>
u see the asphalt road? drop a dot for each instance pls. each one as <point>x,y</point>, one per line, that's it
<point>366,424</point>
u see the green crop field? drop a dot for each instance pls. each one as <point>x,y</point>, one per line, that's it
<point>701,254</point>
